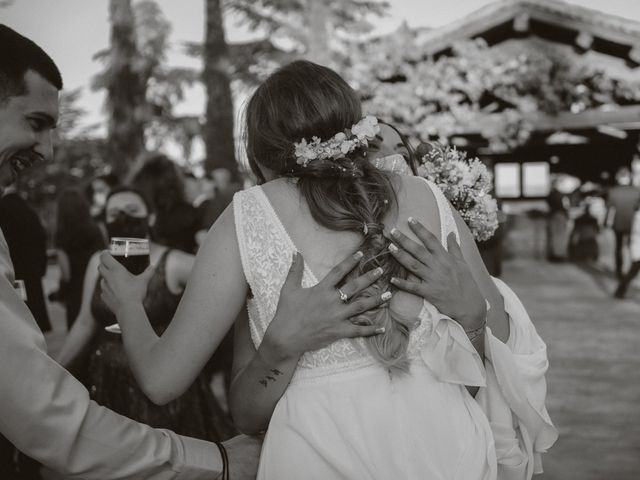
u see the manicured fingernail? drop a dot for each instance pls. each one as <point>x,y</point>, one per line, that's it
<point>395,232</point>
<point>386,296</point>
<point>411,220</point>
<point>377,272</point>
<point>380,330</point>
<point>393,280</point>
<point>358,255</point>
<point>393,248</point>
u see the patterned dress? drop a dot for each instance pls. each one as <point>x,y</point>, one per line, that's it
<point>195,413</point>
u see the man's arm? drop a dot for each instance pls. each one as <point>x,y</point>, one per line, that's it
<point>48,415</point>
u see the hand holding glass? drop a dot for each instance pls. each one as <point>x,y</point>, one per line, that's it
<point>133,254</point>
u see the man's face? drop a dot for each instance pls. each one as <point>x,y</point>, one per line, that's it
<point>26,122</point>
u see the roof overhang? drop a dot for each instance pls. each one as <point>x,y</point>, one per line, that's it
<point>582,27</point>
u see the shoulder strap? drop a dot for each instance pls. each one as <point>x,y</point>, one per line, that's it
<point>447,221</point>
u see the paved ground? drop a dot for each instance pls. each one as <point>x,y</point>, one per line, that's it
<point>594,378</point>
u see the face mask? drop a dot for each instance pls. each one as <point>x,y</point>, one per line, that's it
<point>125,225</point>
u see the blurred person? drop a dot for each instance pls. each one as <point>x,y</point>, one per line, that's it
<point>77,238</point>
<point>621,202</point>
<point>45,412</point>
<point>557,223</point>
<point>223,190</point>
<point>583,240</point>
<point>196,413</point>
<point>99,189</point>
<point>27,240</point>
<point>634,253</point>
<point>175,221</point>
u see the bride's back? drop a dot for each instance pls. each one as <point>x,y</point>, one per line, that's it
<point>322,248</point>
<point>306,134</point>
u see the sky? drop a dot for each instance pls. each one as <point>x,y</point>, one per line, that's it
<point>72,31</point>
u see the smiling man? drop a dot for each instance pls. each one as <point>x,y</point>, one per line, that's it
<point>44,411</point>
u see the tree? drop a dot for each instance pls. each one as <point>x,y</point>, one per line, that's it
<point>317,30</point>
<point>218,129</point>
<point>142,89</point>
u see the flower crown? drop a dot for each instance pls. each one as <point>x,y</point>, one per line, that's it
<point>339,145</point>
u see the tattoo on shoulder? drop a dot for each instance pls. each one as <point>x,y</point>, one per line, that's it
<point>263,382</point>
<point>275,371</point>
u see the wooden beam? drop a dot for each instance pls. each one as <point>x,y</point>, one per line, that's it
<point>521,23</point>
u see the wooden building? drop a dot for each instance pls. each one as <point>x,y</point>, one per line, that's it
<point>590,144</point>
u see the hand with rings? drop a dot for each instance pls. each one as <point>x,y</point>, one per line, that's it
<point>311,318</point>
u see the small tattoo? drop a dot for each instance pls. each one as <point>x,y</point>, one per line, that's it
<point>263,383</point>
<point>275,371</point>
<point>268,377</point>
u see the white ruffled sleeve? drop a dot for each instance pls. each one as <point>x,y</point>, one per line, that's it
<point>515,393</point>
<point>449,353</point>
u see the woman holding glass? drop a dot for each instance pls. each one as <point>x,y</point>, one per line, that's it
<point>195,413</point>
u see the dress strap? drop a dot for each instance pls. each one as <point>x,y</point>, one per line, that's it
<point>447,221</point>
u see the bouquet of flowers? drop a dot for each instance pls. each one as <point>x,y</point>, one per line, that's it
<point>467,185</point>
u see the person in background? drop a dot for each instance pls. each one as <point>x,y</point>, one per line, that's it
<point>583,240</point>
<point>557,224</point>
<point>175,221</point>
<point>98,191</point>
<point>77,238</point>
<point>634,251</point>
<point>621,202</point>
<point>196,412</point>
<point>27,240</point>
<point>224,189</point>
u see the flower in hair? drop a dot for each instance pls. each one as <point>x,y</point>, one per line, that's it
<point>341,144</point>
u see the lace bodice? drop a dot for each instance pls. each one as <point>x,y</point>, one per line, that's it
<point>267,251</point>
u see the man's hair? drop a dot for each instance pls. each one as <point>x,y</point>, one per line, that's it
<point>18,54</point>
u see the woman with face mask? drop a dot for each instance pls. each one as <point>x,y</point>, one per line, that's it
<point>195,413</point>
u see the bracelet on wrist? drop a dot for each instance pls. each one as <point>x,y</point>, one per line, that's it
<point>476,332</point>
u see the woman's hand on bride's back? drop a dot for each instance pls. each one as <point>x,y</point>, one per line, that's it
<point>445,279</point>
<point>311,318</point>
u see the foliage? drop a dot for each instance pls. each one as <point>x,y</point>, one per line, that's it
<point>435,99</point>
<point>165,86</point>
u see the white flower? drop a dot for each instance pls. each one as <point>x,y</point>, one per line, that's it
<point>366,128</point>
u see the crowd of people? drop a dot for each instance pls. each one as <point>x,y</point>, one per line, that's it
<point>575,234</point>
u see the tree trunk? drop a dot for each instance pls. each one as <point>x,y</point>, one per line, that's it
<point>218,128</point>
<point>317,18</point>
<point>126,91</point>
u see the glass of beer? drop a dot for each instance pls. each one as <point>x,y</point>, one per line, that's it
<point>133,254</point>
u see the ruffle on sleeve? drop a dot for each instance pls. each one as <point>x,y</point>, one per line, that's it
<point>515,393</point>
<point>449,352</point>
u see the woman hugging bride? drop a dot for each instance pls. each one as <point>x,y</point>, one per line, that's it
<point>448,381</point>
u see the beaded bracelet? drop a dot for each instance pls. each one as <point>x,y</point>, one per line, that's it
<point>476,332</point>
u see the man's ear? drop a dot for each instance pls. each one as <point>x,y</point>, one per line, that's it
<point>152,219</point>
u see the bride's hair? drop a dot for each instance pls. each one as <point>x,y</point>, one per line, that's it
<point>303,100</point>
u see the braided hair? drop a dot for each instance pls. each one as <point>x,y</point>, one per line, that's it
<point>302,100</point>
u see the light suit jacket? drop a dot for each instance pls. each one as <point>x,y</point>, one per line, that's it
<point>47,414</point>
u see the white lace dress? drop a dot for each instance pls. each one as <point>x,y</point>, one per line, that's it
<point>344,417</point>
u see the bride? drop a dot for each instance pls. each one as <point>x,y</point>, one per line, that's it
<point>397,404</point>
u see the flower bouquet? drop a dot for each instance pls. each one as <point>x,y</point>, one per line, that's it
<point>466,183</point>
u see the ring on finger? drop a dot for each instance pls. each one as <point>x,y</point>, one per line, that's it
<point>343,296</point>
